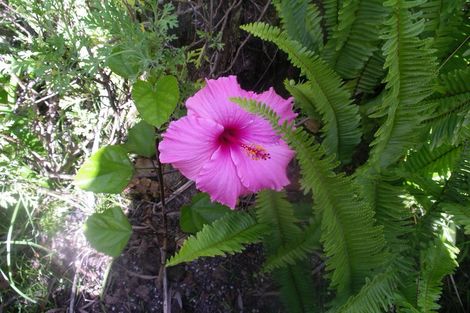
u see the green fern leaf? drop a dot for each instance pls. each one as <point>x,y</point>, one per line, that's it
<point>426,161</point>
<point>438,14</point>
<point>450,119</point>
<point>460,212</point>
<point>341,119</point>
<point>287,242</point>
<point>437,261</point>
<point>297,251</point>
<point>411,69</point>
<point>458,187</point>
<point>274,210</point>
<point>297,290</point>
<point>304,95</point>
<point>331,8</point>
<point>375,296</point>
<point>455,82</point>
<point>226,235</point>
<point>301,20</point>
<point>353,244</point>
<point>356,37</point>
<point>446,24</point>
<point>371,75</point>
<point>385,194</point>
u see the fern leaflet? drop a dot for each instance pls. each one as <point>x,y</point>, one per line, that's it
<point>353,244</point>
<point>226,235</point>
<point>301,20</point>
<point>274,210</point>
<point>298,250</point>
<point>437,261</point>
<point>332,100</point>
<point>356,37</point>
<point>411,69</point>
<point>297,290</point>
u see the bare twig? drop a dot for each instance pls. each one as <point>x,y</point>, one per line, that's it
<point>265,9</point>
<point>453,53</point>
<point>454,285</point>
<point>224,21</point>
<point>163,277</point>
<point>177,192</point>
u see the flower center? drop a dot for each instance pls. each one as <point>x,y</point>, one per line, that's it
<point>229,136</point>
<point>256,152</point>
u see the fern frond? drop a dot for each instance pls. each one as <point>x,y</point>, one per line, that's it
<point>341,118</point>
<point>445,25</point>
<point>304,95</point>
<point>287,242</point>
<point>375,296</point>
<point>353,244</point>
<point>296,251</point>
<point>356,37</point>
<point>437,261</point>
<point>451,109</point>
<point>331,8</point>
<point>411,68</point>
<point>456,82</point>
<point>301,20</point>
<point>371,75</point>
<point>458,187</point>
<point>426,161</point>
<point>297,290</point>
<point>274,210</point>
<point>385,194</point>
<point>226,235</point>
<point>448,122</point>
<point>437,15</point>
<point>460,212</point>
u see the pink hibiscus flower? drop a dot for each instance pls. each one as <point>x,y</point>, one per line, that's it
<point>226,150</point>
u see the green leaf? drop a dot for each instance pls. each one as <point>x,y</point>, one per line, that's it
<point>301,19</point>
<point>437,261</point>
<point>226,235</point>
<point>354,245</point>
<point>297,290</point>
<point>200,212</point>
<point>299,250</point>
<point>156,103</point>
<point>108,232</point>
<point>3,96</point>
<point>107,170</point>
<point>141,139</point>
<point>124,63</point>
<point>341,119</point>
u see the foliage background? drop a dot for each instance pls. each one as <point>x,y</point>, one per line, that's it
<point>66,70</point>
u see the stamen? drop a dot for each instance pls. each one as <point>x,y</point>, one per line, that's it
<point>256,152</point>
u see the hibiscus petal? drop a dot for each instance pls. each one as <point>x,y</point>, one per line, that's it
<point>259,130</point>
<point>283,107</point>
<point>219,179</point>
<point>258,173</point>
<point>213,102</point>
<point>189,143</point>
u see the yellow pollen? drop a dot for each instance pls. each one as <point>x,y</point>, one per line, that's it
<point>256,152</point>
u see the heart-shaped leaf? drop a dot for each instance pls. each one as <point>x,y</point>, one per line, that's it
<point>107,170</point>
<point>156,103</point>
<point>201,211</point>
<point>108,232</point>
<point>141,139</point>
